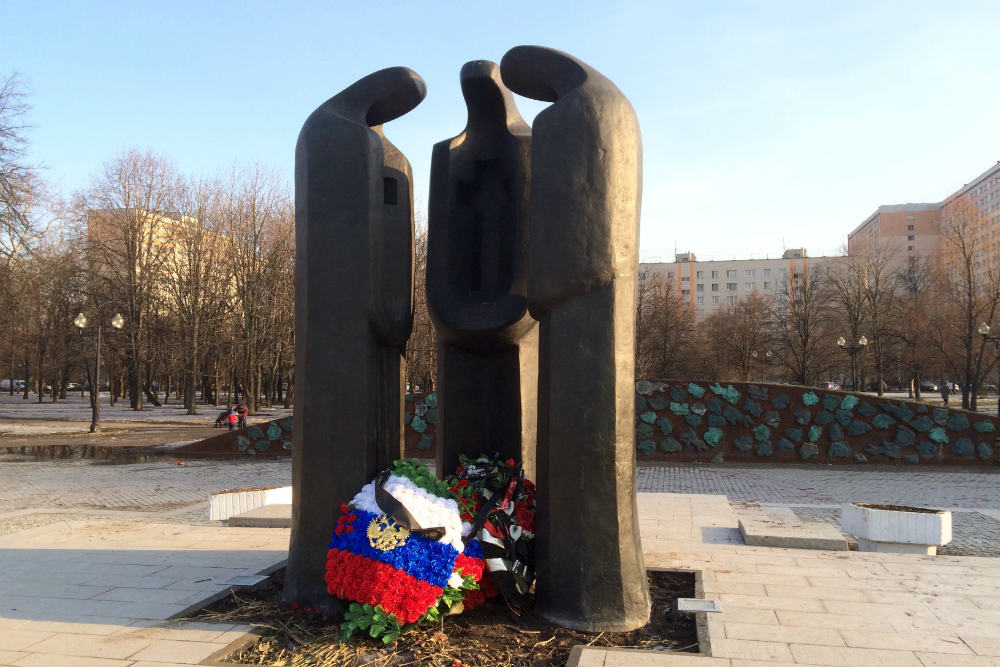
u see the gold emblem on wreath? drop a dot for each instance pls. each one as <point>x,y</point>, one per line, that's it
<point>385,535</point>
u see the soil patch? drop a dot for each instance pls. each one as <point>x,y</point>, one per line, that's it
<point>899,508</point>
<point>491,634</point>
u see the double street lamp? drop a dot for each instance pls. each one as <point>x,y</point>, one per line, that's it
<point>984,331</point>
<point>95,405</point>
<point>764,364</point>
<point>853,350</point>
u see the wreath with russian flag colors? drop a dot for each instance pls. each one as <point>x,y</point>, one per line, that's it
<point>409,547</point>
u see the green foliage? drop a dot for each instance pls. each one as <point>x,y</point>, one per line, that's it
<point>376,621</point>
<point>419,475</point>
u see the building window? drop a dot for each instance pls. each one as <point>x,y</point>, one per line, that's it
<point>732,299</point>
<point>767,285</point>
<point>767,272</point>
<point>700,287</point>
<point>699,274</point>
<point>715,274</point>
<point>715,287</point>
<point>748,273</point>
<point>910,248</point>
<point>731,287</point>
<point>715,299</point>
<point>909,228</point>
<point>730,274</point>
<point>783,272</point>
<point>700,300</point>
<point>910,237</point>
<point>748,287</point>
<point>670,274</point>
<point>685,292</point>
<point>685,279</point>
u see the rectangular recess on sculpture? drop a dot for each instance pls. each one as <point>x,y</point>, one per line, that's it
<point>694,605</point>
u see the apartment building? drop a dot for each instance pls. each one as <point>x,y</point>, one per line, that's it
<point>903,230</point>
<point>711,285</point>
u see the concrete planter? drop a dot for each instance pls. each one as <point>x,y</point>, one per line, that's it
<point>225,504</point>
<point>895,528</point>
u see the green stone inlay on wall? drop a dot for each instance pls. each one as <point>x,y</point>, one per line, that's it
<point>839,449</point>
<point>698,408</point>
<point>696,390</point>
<point>273,431</point>
<point>911,458</point>
<point>922,423</point>
<point>242,443</point>
<point>762,433</point>
<point>689,437</point>
<point>808,450</point>
<point>718,458</point>
<point>926,449</point>
<point>831,401</point>
<point>938,435</point>
<point>836,432</point>
<point>420,408</point>
<point>844,417</point>
<point>849,402</point>
<point>772,418</point>
<point>262,445</point>
<point>759,393</point>
<point>856,428</point>
<point>678,393</point>
<point>814,433</point>
<point>407,417</point>
<point>984,450</point>
<point>941,416</point>
<point>794,433</point>
<point>743,443</point>
<point>716,420</point>
<point>780,402</point>
<point>785,445</point>
<point>905,437</point>
<point>730,393</point>
<point>649,416</point>
<point>287,425</point>
<point>867,409</point>
<point>647,447</point>
<point>713,435</point>
<point>641,405</point>
<point>921,409</point>
<point>882,421</point>
<point>255,432</point>
<point>802,416</point>
<point>860,458</point>
<point>667,426</point>
<point>643,430</point>
<point>962,447</point>
<point>432,416</point>
<point>669,445</point>
<point>418,425</point>
<point>810,399</point>
<point>286,442</point>
<point>823,418</point>
<point>958,422</point>
<point>753,407</point>
<point>887,448</point>
<point>693,420</point>
<point>679,408</point>
<point>426,442</point>
<point>732,415</point>
<point>657,403</point>
<point>763,449</point>
<point>714,404</point>
<point>431,399</point>
<point>984,427</point>
<point>900,411</point>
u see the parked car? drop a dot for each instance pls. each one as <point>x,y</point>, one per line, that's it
<point>927,385</point>
<point>5,385</point>
<point>829,385</point>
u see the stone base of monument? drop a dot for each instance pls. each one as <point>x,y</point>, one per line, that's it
<point>226,504</point>
<point>780,527</point>
<point>896,528</point>
<point>268,516</point>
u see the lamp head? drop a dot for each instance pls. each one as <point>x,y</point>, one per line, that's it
<point>984,329</point>
<point>80,321</point>
<point>118,321</point>
<point>862,341</point>
<point>841,342</point>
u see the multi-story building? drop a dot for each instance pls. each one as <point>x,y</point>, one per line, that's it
<point>904,230</point>
<point>709,286</point>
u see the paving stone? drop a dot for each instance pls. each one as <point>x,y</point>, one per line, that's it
<point>885,640</point>
<point>740,649</point>
<point>184,652</point>
<point>15,640</point>
<point>55,660</point>
<point>836,656</point>
<point>782,633</point>
<point>93,646</point>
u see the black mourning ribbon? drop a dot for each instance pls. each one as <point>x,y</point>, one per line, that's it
<point>398,512</point>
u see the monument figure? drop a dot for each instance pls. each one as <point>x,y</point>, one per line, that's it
<point>586,175</point>
<point>353,310</point>
<point>477,251</point>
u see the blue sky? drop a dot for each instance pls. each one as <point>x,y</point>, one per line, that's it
<point>764,123</point>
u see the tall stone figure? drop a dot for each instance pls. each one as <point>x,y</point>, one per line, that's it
<point>476,270</point>
<point>353,310</point>
<point>586,176</point>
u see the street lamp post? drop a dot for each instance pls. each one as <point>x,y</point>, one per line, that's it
<point>984,331</point>
<point>853,350</point>
<point>763,364</point>
<point>95,404</point>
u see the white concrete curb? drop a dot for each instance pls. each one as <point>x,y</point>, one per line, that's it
<point>225,504</point>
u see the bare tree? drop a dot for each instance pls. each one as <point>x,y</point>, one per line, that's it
<point>19,183</point>
<point>741,333</point>
<point>800,319</point>
<point>421,349</point>
<point>665,334</point>
<point>912,332</point>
